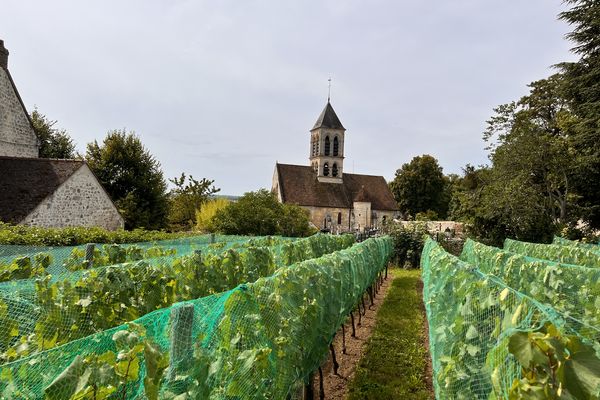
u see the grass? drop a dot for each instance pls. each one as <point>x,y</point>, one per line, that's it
<point>395,361</point>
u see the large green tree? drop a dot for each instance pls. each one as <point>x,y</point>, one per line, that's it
<point>420,187</point>
<point>132,177</point>
<point>186,198</point>
<point>260,213</point>
<point>581,88</point>
<point>54,142</point>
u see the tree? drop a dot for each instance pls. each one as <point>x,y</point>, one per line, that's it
<point>205,215</point>
<point>132,177</point>
<point>259,213</point>
<point>54,143</point>
<point>186,198</point>
<point>581,88</point>
<point>420,186</point>
<point>534,146</point>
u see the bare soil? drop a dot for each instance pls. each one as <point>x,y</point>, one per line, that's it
<point>336,386</point>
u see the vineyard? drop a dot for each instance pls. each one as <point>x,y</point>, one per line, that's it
<point>521,322</point>
<point>200,317</point>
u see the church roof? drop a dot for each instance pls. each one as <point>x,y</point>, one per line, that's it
<point>26,182</point>
<point>299,185</point>
<point>328,119</point>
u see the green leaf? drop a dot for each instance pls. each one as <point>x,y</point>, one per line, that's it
<point>65,384</point>
<point>520,346</point>
<point>582,374</point>
<point>472,332</point>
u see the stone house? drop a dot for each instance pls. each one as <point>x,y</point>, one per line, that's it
<point>38,191</point>
<point>337,201</point>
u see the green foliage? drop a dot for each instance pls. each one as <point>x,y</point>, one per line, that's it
<point>558,253</point>
<point>554,366</point>
<point>54,143</point>
<point>485,318</point>
<point>24,267</point>
<point>109,374</point>
<point>132,177</point>
<point>206,213</point>
<point>581,88</point>
<point>72,236</point>
<point>420,186</point>
<point>79,305</point>
<point>408,242</point>
<point>112,254</point>
<point>254,342</point>
<point>185,199</point>
<point>570,289</point>
<point>260,213</point>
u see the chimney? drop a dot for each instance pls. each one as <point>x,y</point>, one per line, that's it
<point>3,55</point>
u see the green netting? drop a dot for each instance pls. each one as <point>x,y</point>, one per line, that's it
<point>42,313</point>
<point>258,341</point>
<point>553,252</point>
<point>572,290</point>
<point>22,262</point>
<point>566,242</point>
<point>472,316</point>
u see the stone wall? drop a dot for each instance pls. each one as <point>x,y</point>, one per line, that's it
<point>318,216</point>
<point>79,201</point>
<point>17,138</point>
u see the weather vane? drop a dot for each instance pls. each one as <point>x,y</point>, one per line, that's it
<point>329,90</point>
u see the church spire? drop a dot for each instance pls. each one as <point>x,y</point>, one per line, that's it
<point>328,119</point>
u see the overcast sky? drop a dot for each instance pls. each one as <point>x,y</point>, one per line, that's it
<point>223,89</point>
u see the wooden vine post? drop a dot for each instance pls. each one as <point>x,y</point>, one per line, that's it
<point>89,255</point>
<point>334,359</point>
<point>182,320</point>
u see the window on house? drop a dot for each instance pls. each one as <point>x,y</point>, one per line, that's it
<point>334,170</point>
<point>327,145</point>
<point>336,146</point>
<point>339,218</point>
<point>326,169</point>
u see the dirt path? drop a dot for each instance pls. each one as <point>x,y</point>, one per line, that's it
<point>336,386</point>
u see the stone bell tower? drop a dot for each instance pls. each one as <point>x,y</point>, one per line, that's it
<point>327,146</point>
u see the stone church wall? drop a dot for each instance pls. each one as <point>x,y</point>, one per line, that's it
<point>349,217</point>
<point>319,214</point>
<point>17,138</point>
<point>79,201</point>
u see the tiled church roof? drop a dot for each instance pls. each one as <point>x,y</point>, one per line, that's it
<point>299,185</point>
<point>328,119</point>
<point>26,182</point>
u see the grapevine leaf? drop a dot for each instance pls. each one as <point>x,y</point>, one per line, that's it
<point>520,346</point>
<point>582,374</point>
<point>65,384</point>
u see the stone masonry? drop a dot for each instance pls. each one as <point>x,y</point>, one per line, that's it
<point>79,201</point>
<point>17,138</point>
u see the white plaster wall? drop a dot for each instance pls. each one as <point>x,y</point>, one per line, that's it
<point>17,138</point>
<point>79,201</point>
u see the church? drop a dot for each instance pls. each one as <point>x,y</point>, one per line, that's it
<point>41,191</point>
<point>337,201</point>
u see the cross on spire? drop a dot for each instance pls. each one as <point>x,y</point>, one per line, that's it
<point>329,90</point>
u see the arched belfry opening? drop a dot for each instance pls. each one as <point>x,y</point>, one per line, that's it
<point>327,146</point>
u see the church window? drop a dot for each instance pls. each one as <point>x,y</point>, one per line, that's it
<point>327,145</point>
<point>336,146</point>
<point>339,218</point>
<point>334,170</point>
<point>326,169</point>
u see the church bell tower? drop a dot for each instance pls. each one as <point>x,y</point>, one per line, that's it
<point>327,146</point>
